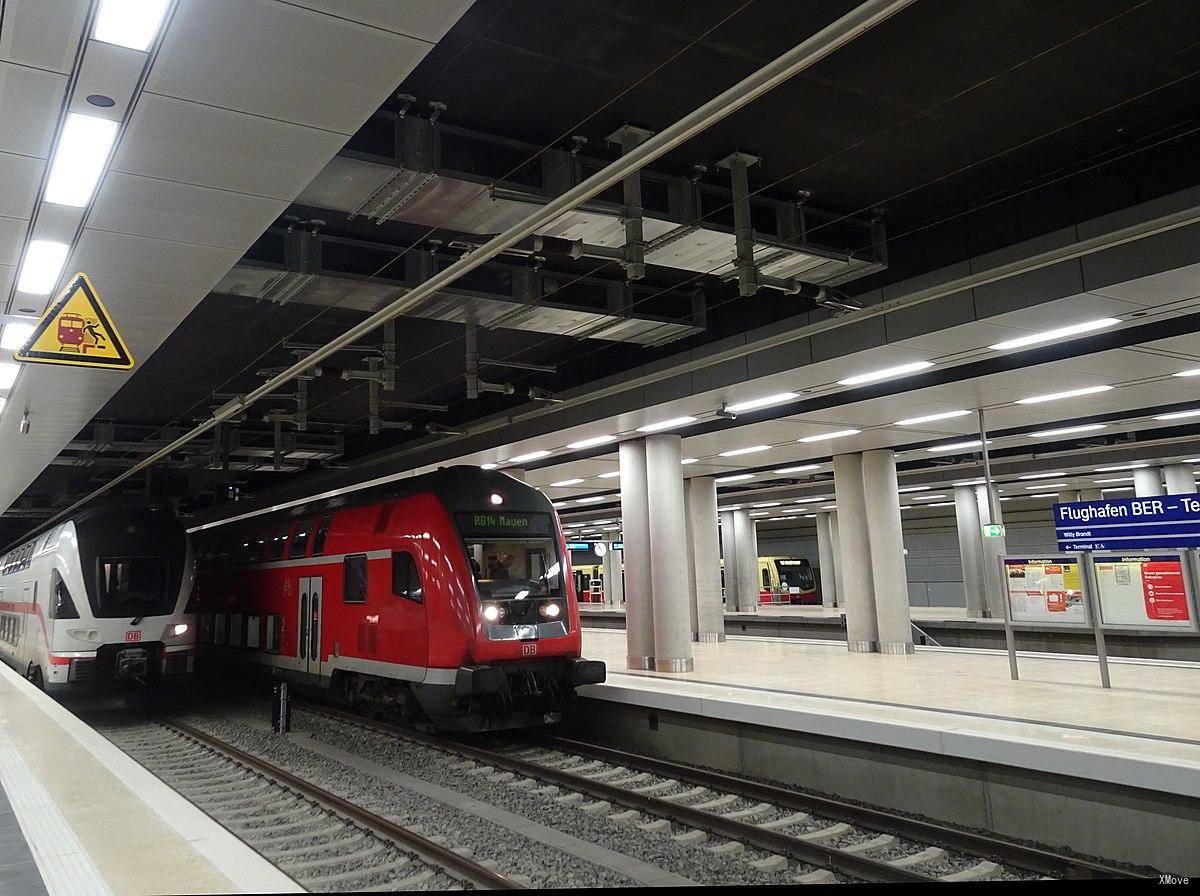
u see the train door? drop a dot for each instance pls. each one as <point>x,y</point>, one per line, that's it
<point>308,652</point>
<point>28,632</point>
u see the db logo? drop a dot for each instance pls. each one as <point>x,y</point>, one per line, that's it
<point>133,636</point>
<point>528,650</point>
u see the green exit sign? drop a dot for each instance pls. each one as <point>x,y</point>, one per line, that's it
<point>993,530</point>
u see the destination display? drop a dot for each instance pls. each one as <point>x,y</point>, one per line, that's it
<point>494,521</point>
<point>1045,590</point>
<point>1129,524</point>
<point>1143,590</point>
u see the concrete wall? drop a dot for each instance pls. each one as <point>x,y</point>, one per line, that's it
<point>935,576</point>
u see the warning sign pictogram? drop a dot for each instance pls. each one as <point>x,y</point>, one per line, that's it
<point>76,330</point>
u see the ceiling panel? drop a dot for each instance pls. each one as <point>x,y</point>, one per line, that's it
<point>171,211</point>
<point>12,232</point>
<point>424,19</point>
<point>153,260</point>
<point>1156,289</point>
<point>18,184</point>
<point>42,34</point>
<point>29,104</point>
<point>279,61</point>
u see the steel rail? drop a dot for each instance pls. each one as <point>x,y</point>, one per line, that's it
<point>1028,857</point>
<point>805,54</point>
<point>452,863</point>
<point>857,866</point>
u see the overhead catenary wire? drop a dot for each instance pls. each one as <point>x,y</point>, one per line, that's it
<point>805,54</point>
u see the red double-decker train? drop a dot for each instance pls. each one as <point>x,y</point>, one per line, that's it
<point>446,599</point>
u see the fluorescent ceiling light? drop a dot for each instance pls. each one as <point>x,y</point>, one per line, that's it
<point>690,460</point>
<point>765,402</point>
<point>1178,415</point>
<point>14,335</point>
<point>565,482</point>
<point>939,504</point>
<point>753,449</point>
<point>1045,495</point>
<point>1067,430</point>
<point>488,466</point>
<point>1045,485</point>
<point>592,442</point>
<point>1118,488</point>
<point>738,477</point>
<point>931,418</point>
<point>886,373</point>
<point>8,375</point>
<point>956,446</point>
<point>803,468</point>
<point>830,435</point>
<point>594,499</point>
<point>926,497</point>
<point>1041,476</point>
<point>1070,393</point>
<point>1121,467</point>
<point>1195,371</point>
<point>760,513</point>
<point>129,23</point>
<point>613,475</point>
<point>1115,479</point>
<point>810,500</point>
<point>829,507</point>
<point>793,510</point>
<point>79,159</point>
<point>43,266</point>
<point>913,488</point>
<point>767,504</point>
<point>667,424</point>
<point>532,455</point>
<point>1089,326</point>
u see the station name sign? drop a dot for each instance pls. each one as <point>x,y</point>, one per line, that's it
<point>1168,521</point>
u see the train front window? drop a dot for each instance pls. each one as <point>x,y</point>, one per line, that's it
<point>508,568</point>
<point>133,586</point>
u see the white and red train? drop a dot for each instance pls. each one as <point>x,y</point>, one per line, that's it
<point>99,602</point>
<point>446,598</point>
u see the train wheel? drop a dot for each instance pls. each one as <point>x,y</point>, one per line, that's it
<point>35,676</point>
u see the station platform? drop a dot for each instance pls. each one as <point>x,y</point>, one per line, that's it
<point>943,732</point>
<point>938,626</point>
<point>78,816</point>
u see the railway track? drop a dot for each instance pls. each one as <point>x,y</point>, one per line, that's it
<point>321,840</point>
<point>724,814</point>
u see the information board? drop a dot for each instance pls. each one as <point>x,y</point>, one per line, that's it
<point>1130,524</point>
<point>1045,590</point>
<point>1145,590</point>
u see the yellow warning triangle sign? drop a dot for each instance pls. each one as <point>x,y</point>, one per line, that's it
<point>76,330</point>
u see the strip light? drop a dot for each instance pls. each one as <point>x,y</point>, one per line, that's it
<point>42,267</point>
<point>932,418</point>
<point>8,375</point>
<point>667,424</point>
<point>532,455</point>
<point>610,475</point>
<point>592,442</point>
<point>887,373</point>
<point>1195,371</point>
<point>1179,415</point>
<point>690,460</point>
<point>80,159</point>
<point>737,477</point>
<point>913,488</point>
<point>1089,326</point>
<point>1041,476</point>
<point>14,335</point>
<point>1071,393</point>
<point>1067,430</point>
<point>803,468</point>
<point>753,449</point>
<point>488,466</point>
<point>1033,488</point>
<point>765,402</point>
<point>956,446</point>
<point>129,23</point>
<point>1121,467</point>
<point>565,482</point>
<point>830,435</point>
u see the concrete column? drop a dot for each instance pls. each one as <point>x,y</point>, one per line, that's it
<point>887,551</point>
<point>836,540</point>
<point>635,525</point>
<point>669,559</point>
<point>970,547</point>
<point>857,588</point>
<point>614,587</point>
<point>701,494</point>
<point>1091,494</point>
<point>729,556</point>
<point>1181,479</point>
<point>745,542</point>
<point>993,549</point>
<point>826,547</point>
<point>1067,497</point>
<point>1147,482</point>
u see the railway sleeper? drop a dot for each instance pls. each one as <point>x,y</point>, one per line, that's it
<point>929,854</point>
<point>375,850</point>
<point>344,879</point>
<point>868,846</point>
<point>826,834</point>
<point>717,804</point>
<point>284,853</point>
<point>685,795</point>
<point>655,789</point>
<point>272,837</point>
<point>755,811</point>
<point>785,821</point>
<point>983,870</point>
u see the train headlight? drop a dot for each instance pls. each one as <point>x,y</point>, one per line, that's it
<point>175,630</point>
<point>493,612</point>
<point>85,634</point>
<point>180,629</point>
<point>550,611</point>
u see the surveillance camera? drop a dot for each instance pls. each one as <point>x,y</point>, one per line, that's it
<point>25,424</point>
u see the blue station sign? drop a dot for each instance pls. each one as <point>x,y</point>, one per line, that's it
<point>1167,521</point>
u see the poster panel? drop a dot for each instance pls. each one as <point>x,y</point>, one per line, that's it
<point>1144,590</point>
<point>1047,590</point>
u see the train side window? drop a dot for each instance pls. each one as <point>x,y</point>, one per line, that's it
<point>258,545</point>
<point>274,633</point>
<point>206,628</point>
<point>406,578</point>
<point>319,538</point>
<point>220,629</point>
<point>276,544</point>
<point>236,630</point>
<point>354,579</point>
<point>300,541</point>
<point>766,577</point>
<point>252,629</point>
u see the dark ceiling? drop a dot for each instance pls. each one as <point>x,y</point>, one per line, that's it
<point>972,124</point>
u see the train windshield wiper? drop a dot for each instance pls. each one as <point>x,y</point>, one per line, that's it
<point>136,619</point>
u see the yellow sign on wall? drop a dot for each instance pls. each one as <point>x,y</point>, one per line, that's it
<point>76,330</point>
